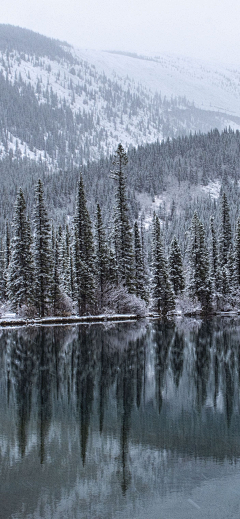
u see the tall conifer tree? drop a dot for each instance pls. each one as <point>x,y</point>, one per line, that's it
<point>199,280</point>
<point>162,291</point>
<point>176,267</point>
<point>102,255</point>
<point>122,230</point>
<point>20,272</point>
<point>140,278</point>
<point>225,232</point>
<point>84,271</point>
<point>237,254</point>
<point>43,258</point>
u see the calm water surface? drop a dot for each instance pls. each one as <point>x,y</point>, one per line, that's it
<point>133,420</point>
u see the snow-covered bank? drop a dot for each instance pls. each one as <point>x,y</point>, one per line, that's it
<point>67,320</point>
<point>88,319</point>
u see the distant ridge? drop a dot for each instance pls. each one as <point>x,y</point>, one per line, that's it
<point>27,41</point>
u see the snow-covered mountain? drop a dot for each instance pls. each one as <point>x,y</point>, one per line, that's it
<point>65,106</point>
<point>209,85</point>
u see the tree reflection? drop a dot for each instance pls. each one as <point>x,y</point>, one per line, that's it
<point>163,336</point>
<point>96,378</point>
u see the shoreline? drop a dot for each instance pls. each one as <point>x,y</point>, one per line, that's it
<point>47,321</point>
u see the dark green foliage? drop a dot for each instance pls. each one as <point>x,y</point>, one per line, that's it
<point>83,250</point>
<point>237,253</point>
<point>65,262</point>
<point>43,259</point>
<point>225,233</point>
<point>56,286</point>
<point>103,261</point>
<point>122,229</point>
<point>139,274</point>
<point>20,271</point>
<point>199,282</point>
<point>176,267</point>
<point>162,291</point>
<point>213,251</point>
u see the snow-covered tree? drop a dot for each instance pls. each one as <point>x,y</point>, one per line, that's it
<point>84,259</point>
<point>139,274</point>
<point>176,267</point>
<point>162,291</point>
<point>65,262</point>
<point>199,285</point>
<point>20,272</point>
<point>225,233</point>
<point>122,230</point>
<point>237,254</point>
<point>42,250</point>
<point>102,255</point>
<point>213,252</point>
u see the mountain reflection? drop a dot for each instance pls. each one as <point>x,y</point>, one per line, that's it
<point>95,398</point>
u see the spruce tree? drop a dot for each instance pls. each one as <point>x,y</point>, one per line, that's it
<point>102,255</point>
<point>225,233</point>
<point>237,254</point>
<point>64,247</point>
<point>139,276</point>
<point>42,250</point>
<point>6,254</point>
<point>56,290</point>
<point>162,291</point>
<point>2,270</point>
<point>7,245</point>
<point>199,281</point>
<point>83,247</point>
<point>122,229</point>
<point>214,251</point>
<point>20,272</point>
<point>176,267</point>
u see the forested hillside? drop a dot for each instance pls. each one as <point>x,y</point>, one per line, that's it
<point>123,220</point>
<point>130,261</point>
<point>178,174</point>
<point>61,109</point>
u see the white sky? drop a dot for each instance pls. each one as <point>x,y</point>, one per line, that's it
<point>200,28</point>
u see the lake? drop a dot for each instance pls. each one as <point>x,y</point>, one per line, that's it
<point>132,420</point>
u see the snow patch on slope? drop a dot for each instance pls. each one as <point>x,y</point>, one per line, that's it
<point>210,85</point>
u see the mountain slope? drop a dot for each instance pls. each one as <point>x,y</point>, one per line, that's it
<point>63,107</point>
<point>209,85</point>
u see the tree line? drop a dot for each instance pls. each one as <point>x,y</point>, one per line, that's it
<point>83,268</point>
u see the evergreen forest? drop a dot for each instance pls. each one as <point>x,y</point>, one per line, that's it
<point>106,255</point>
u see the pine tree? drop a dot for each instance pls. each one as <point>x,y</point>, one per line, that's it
<point>231,275</point>
<point>162,291</point>
<point>2,270</point>
<point>225,233</point>
<point>83,247</point>
<point>122,229</point>
<point>102,255</point>
<point>214,251</point>
<point>42,250</point>
<point>7,246</point>
<point>176,267</point>
<point>56,290</point>
<point>140,278</point>
<point>199,281</point>
<point>20,272</point>
<point>237,253</point>
<point>5,257</point>
<point>65,262</point>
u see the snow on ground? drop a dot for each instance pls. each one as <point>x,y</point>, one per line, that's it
<point>180,194</point>
<point>213,189</point>
<point>210,85</point>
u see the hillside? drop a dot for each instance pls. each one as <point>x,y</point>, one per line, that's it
<point>63,106</point>
<point>63,109</point>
